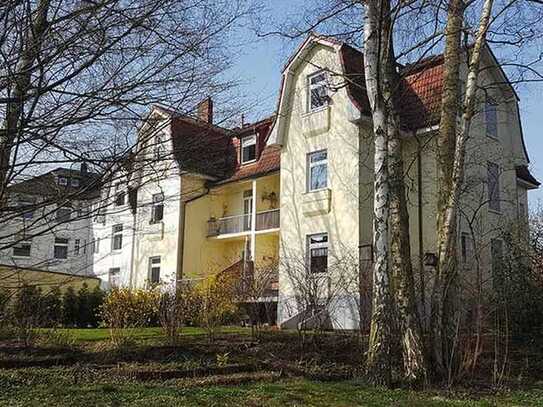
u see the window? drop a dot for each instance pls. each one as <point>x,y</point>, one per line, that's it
<point>466,247</point>
<point>158,147</point>
<point>74,182</point>
<point>318,253</point>
<point>114,276</point>
<point>154,270</point>
<point>157,211</point>
<point>247,209</point>
<point>22,248</point>
<point>317,170</point>
<point>85,246</point>
<point>77,246</point>
<point>494,186</point>
<point>491,119</point>
<point>63,181</point>
<point>317,92</point>
<point>117,237</point>
<point>26,206</point>
<point>248,149</point>
<point>120,195</point>
<point>96,245</point>
<point>63,214</point>
<point>60,248</point>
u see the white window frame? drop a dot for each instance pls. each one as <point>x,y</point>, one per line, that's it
<point>96,246</point>
<point>153,265</point>
<point>77,246</point>
<point>119,192</point>
<point>25,202</point>
<point>157,201</point>
<point>114,276</point>
<point>315,86</point>
<point>158,146</point>
<point>491,119</point>
<point>20,244</point>
<point>61,242</point>
<point>117,236</point>
<point>311,164</point>
<point>494,192</point>
<point>248,141</point>
<point>317,246</point>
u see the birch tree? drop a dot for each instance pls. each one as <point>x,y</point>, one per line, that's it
<point>452,147</point>
<point>377,54</point>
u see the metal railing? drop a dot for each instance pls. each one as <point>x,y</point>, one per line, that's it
<point>242,223</point>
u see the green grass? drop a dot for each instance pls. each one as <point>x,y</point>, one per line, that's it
<point>25,390</point>
<point>102,334</point>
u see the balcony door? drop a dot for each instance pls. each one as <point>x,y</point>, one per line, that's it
<point>247,209</point>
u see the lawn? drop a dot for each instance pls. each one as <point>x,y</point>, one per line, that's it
<point>234,370</point>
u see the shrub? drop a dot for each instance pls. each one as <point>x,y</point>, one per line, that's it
<point>4,306</point>
<point>123,310</point>
<point>57,339</point>
<point>70,308</point>
<point>51,308</point>
<point>28,313</point>
<point>214,303</point>
<point>96,298</point>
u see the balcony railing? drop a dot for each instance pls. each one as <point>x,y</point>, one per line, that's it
<point>242,223</point>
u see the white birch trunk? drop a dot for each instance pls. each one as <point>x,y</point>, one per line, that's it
<point>379,361</point>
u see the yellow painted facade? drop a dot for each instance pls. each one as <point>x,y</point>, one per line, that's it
<point>13,278</point>
<point>205,251</point>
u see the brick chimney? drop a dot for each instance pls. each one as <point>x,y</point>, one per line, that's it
<point>205,110</point>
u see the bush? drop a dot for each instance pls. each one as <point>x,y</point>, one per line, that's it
<point>4,306</point>
<point>57,339</point>
<point>214,303</point>
<point>70,308</point>
<point>28,313</point>
<point>123,310</point>
<point>51,308</point>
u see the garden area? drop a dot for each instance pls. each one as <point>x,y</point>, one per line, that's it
<point>189,348</point>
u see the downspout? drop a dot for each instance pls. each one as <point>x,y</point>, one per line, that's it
<point>420,225</point>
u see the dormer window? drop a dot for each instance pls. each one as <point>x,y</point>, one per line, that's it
<point>63,181</point>
<point>74,182</point>
<point>248,149</point>
<point>317,91</point>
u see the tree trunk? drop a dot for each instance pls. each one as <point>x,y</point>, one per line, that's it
<point>447,233</point>
<point>408,321</point>
<point>19,88</point>
<point>382,317</point>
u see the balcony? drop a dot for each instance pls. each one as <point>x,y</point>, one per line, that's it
<point>266,220</point>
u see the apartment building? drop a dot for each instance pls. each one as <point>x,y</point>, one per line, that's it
<point>294,192</point>
<point>47,222</point>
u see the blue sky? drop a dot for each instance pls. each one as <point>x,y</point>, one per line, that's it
<point>261,60</point>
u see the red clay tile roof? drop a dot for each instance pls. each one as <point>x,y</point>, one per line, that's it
<point>420,97</point>
<point>215,152</point>
<point>268,157</point>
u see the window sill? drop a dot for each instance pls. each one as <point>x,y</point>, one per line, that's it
<point>316,110</point>
<point>247,162</point>
<point>20,257</point>
<point>495,212</point>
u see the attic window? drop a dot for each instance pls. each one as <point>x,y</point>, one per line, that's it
<point>63,181</point>
<point>74,182</point>
<point>317,91</point>
<point>491,118</point>
<point>248,149</point>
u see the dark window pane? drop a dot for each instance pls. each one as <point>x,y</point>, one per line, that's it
<point>249,153</point>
